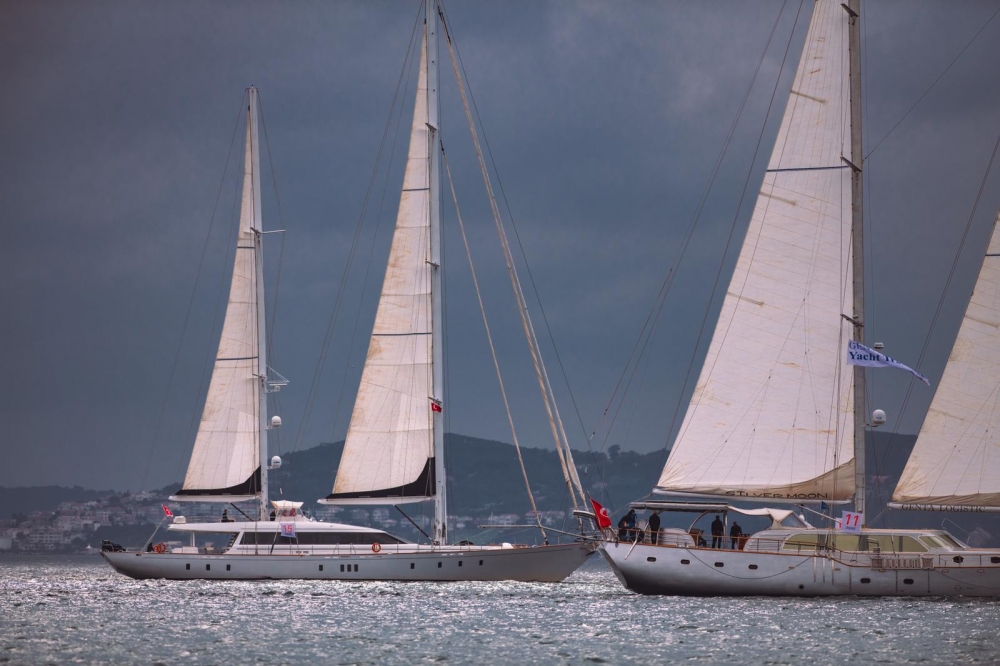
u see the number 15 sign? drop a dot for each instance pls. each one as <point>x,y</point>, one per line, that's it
<point>851,522</point>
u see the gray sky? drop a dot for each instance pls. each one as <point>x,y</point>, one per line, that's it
<point>605,120</point>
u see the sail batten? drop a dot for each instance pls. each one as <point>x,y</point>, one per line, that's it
<point>771,416</point>
<point>955,463</point>
<point>389,450</point>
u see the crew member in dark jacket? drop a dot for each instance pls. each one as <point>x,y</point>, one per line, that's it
<point>654,527</point>
<point>735,532</point>
<point>717,532</point>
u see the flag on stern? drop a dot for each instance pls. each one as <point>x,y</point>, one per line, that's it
<point>858,354</point>
<point>600,515</point>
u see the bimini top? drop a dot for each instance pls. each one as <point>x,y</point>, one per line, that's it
<point>777,516</point>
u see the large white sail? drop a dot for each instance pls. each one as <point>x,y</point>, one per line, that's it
<point>772,413</point>
<point>955,463</point>
<point>389,450</point>
<point>225,463</point>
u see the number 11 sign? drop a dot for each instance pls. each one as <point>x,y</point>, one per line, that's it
<point>851,522</point>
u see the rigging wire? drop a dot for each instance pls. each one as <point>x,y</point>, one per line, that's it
<point>548,396</point>
<point>942,299</point>
<point>489,338</point>
<point>191,300</point>
<point>342,289</point>
<point>934,83</point>
<point>732,228</point>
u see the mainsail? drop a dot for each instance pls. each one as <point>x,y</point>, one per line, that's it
<point>955,464</point>
<point>772,414</point>
<point>225,463</point>
<point>389,451</point>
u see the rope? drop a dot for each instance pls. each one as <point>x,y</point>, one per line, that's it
<point>489,338</point>
<point>548,397</point>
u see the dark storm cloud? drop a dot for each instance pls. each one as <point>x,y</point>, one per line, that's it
<point>605,120</point>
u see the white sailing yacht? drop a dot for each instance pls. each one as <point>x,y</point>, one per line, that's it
<point>776,416</point>
<point>394,451</point>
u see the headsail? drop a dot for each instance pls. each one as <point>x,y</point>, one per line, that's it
<point>771,417</point>
<point>225,463</point>
<point>955,464</point>
<point>389,451</point>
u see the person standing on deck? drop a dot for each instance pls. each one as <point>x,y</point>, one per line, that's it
<point>654,527</point>
<point>735,532</point>
<point>717,531</point>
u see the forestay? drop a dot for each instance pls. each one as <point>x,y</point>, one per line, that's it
<point>955,464</point>
<point>225,462</point>
<point>389,450</point>
<point>771,415</point>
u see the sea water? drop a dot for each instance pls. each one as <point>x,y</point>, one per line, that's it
<point>77,610</point>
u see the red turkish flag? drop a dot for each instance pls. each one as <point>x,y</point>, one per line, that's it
<point>167,511</point>
<point>600,515</point>
<point>435,407</point>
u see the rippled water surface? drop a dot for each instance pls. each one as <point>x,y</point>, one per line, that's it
<point>75,609</point>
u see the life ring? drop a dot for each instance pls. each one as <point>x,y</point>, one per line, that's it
<point>376,547</point>
<point>160,548</point>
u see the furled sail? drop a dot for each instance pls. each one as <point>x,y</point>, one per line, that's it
<point>389,451</point>
<point>771,416</point>
<point>955,464</point>
<point>225,463</point>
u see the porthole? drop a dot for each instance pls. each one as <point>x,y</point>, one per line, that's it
<point>958,559</point>
<point>802,587</point>
<point>720,564</point>
<point>866,580</point>
<point>995,560</point>
<point>907,581</point>
<point>685,561</point>
<point>650,559</point>
<point>752,566</point>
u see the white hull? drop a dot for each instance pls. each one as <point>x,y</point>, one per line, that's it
<point>549,564</point>
<point>660,569</point>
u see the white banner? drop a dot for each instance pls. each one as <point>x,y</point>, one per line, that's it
<point>858,354</point>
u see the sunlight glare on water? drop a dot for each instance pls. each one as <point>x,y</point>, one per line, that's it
<point>76,609</point>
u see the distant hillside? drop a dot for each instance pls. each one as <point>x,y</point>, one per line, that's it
<point>43,498</point>
<point>484,475</point>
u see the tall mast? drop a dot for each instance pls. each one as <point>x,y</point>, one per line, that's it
<point>434,196</point>
<point>258,228</point>
<point>858,257</point>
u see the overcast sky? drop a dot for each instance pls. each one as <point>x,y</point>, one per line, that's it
<point>605,120</point>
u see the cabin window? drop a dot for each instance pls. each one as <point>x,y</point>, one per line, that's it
<point>188,567</point>
<point>318,539</point>
<point>720,564</point>
<point>933,542</point>
<point>907,544</point>
<point>801,542</point>
<point>341,568</point>
<point>355,567</point>
<point>321,567</point>
<point>413,565</point>
<point>229,567</point>
<point>208,567</point>
<point>846,542</point>
<point>460,563</point>
<point>995,560</point>
<point>685,561</point>
<point>958,559</point>
<point>481,562</point>
<point>907,581</point>
<point>439,565</point>
<point>866,580</point>
<point>752,566</point>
